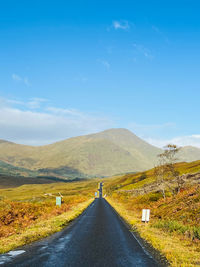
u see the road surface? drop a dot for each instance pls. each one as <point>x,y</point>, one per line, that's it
<point>97,238</point>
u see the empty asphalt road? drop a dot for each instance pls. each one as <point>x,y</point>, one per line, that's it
<point>97,238</point>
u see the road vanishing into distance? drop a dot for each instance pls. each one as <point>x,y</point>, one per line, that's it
<point>97,238</point>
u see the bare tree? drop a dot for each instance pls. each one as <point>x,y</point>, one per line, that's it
<point>171,153</point>
<point>166,169</point>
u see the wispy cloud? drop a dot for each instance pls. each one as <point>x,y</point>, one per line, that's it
<point>32,103</point>
<point>25,125</point>
<point>143,50</point>
<point>23,80</point>
<point>16,77</point>
<point>65,111</point>
<point>35,103</point>
<point>155,134</point>
<point>105,63</point>
<point>121,25</point>
<point>190,140</point>
<point>159,32</point>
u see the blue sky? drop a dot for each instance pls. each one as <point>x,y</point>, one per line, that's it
<point>75,67</point>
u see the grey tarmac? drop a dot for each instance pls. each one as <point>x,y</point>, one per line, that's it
<point>98,238</point>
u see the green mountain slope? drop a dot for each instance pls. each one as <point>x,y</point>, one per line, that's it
<point>189,153</point>
<point>8,169</point>
<point>102,154</point>
<point>144,153</point>
<point>106,153</point>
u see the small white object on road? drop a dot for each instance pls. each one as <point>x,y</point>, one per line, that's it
<point>14,253</point>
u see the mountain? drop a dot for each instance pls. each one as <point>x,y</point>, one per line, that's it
<point>189,153</point>
<point>102,154</point>
<point>10,170</point>
<point>106,153</point>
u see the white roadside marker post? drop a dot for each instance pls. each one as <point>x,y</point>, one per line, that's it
<point>145,215</point>
<point>58,201</point>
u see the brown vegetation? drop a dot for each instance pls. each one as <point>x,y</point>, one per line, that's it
<point>29,212</point>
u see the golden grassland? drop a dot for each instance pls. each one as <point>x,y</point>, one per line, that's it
<point>179,250</point>
<point>137,180</point>
<point>28,213</point>
<point>174,227</point>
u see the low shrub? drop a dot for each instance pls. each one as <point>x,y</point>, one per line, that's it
<point>175,226</point>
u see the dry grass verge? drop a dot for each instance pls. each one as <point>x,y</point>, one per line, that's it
<point>178,249</point>
<point>42,229</point>
<point>29,212</point>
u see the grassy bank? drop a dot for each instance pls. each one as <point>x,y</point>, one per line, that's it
<point>29,213</point>
<point>179,250</point>
<point>174,227</point>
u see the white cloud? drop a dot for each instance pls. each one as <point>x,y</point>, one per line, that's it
<point>35,102</point>
<point>63,111</point>
<point>18,78</point>
<point>121,25</point>
<point>155,134</point>
<point>143,50</point>
<point>190,140</point>
<point>20,124</point>
<point>6,102</point>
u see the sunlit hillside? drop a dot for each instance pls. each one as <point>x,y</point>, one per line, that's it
<point>174,222</point>
<point>106,153</point>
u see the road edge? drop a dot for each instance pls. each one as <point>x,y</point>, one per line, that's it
<point>64,224</point>
<point>145,245</point>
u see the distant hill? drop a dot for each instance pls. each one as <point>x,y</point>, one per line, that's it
<point>7,181</point>
<point>106,153</point>
<point>10,170</point>
<point>189,153</point>
<point>133,181</point>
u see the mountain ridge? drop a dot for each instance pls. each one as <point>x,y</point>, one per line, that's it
<point>106,153</point>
